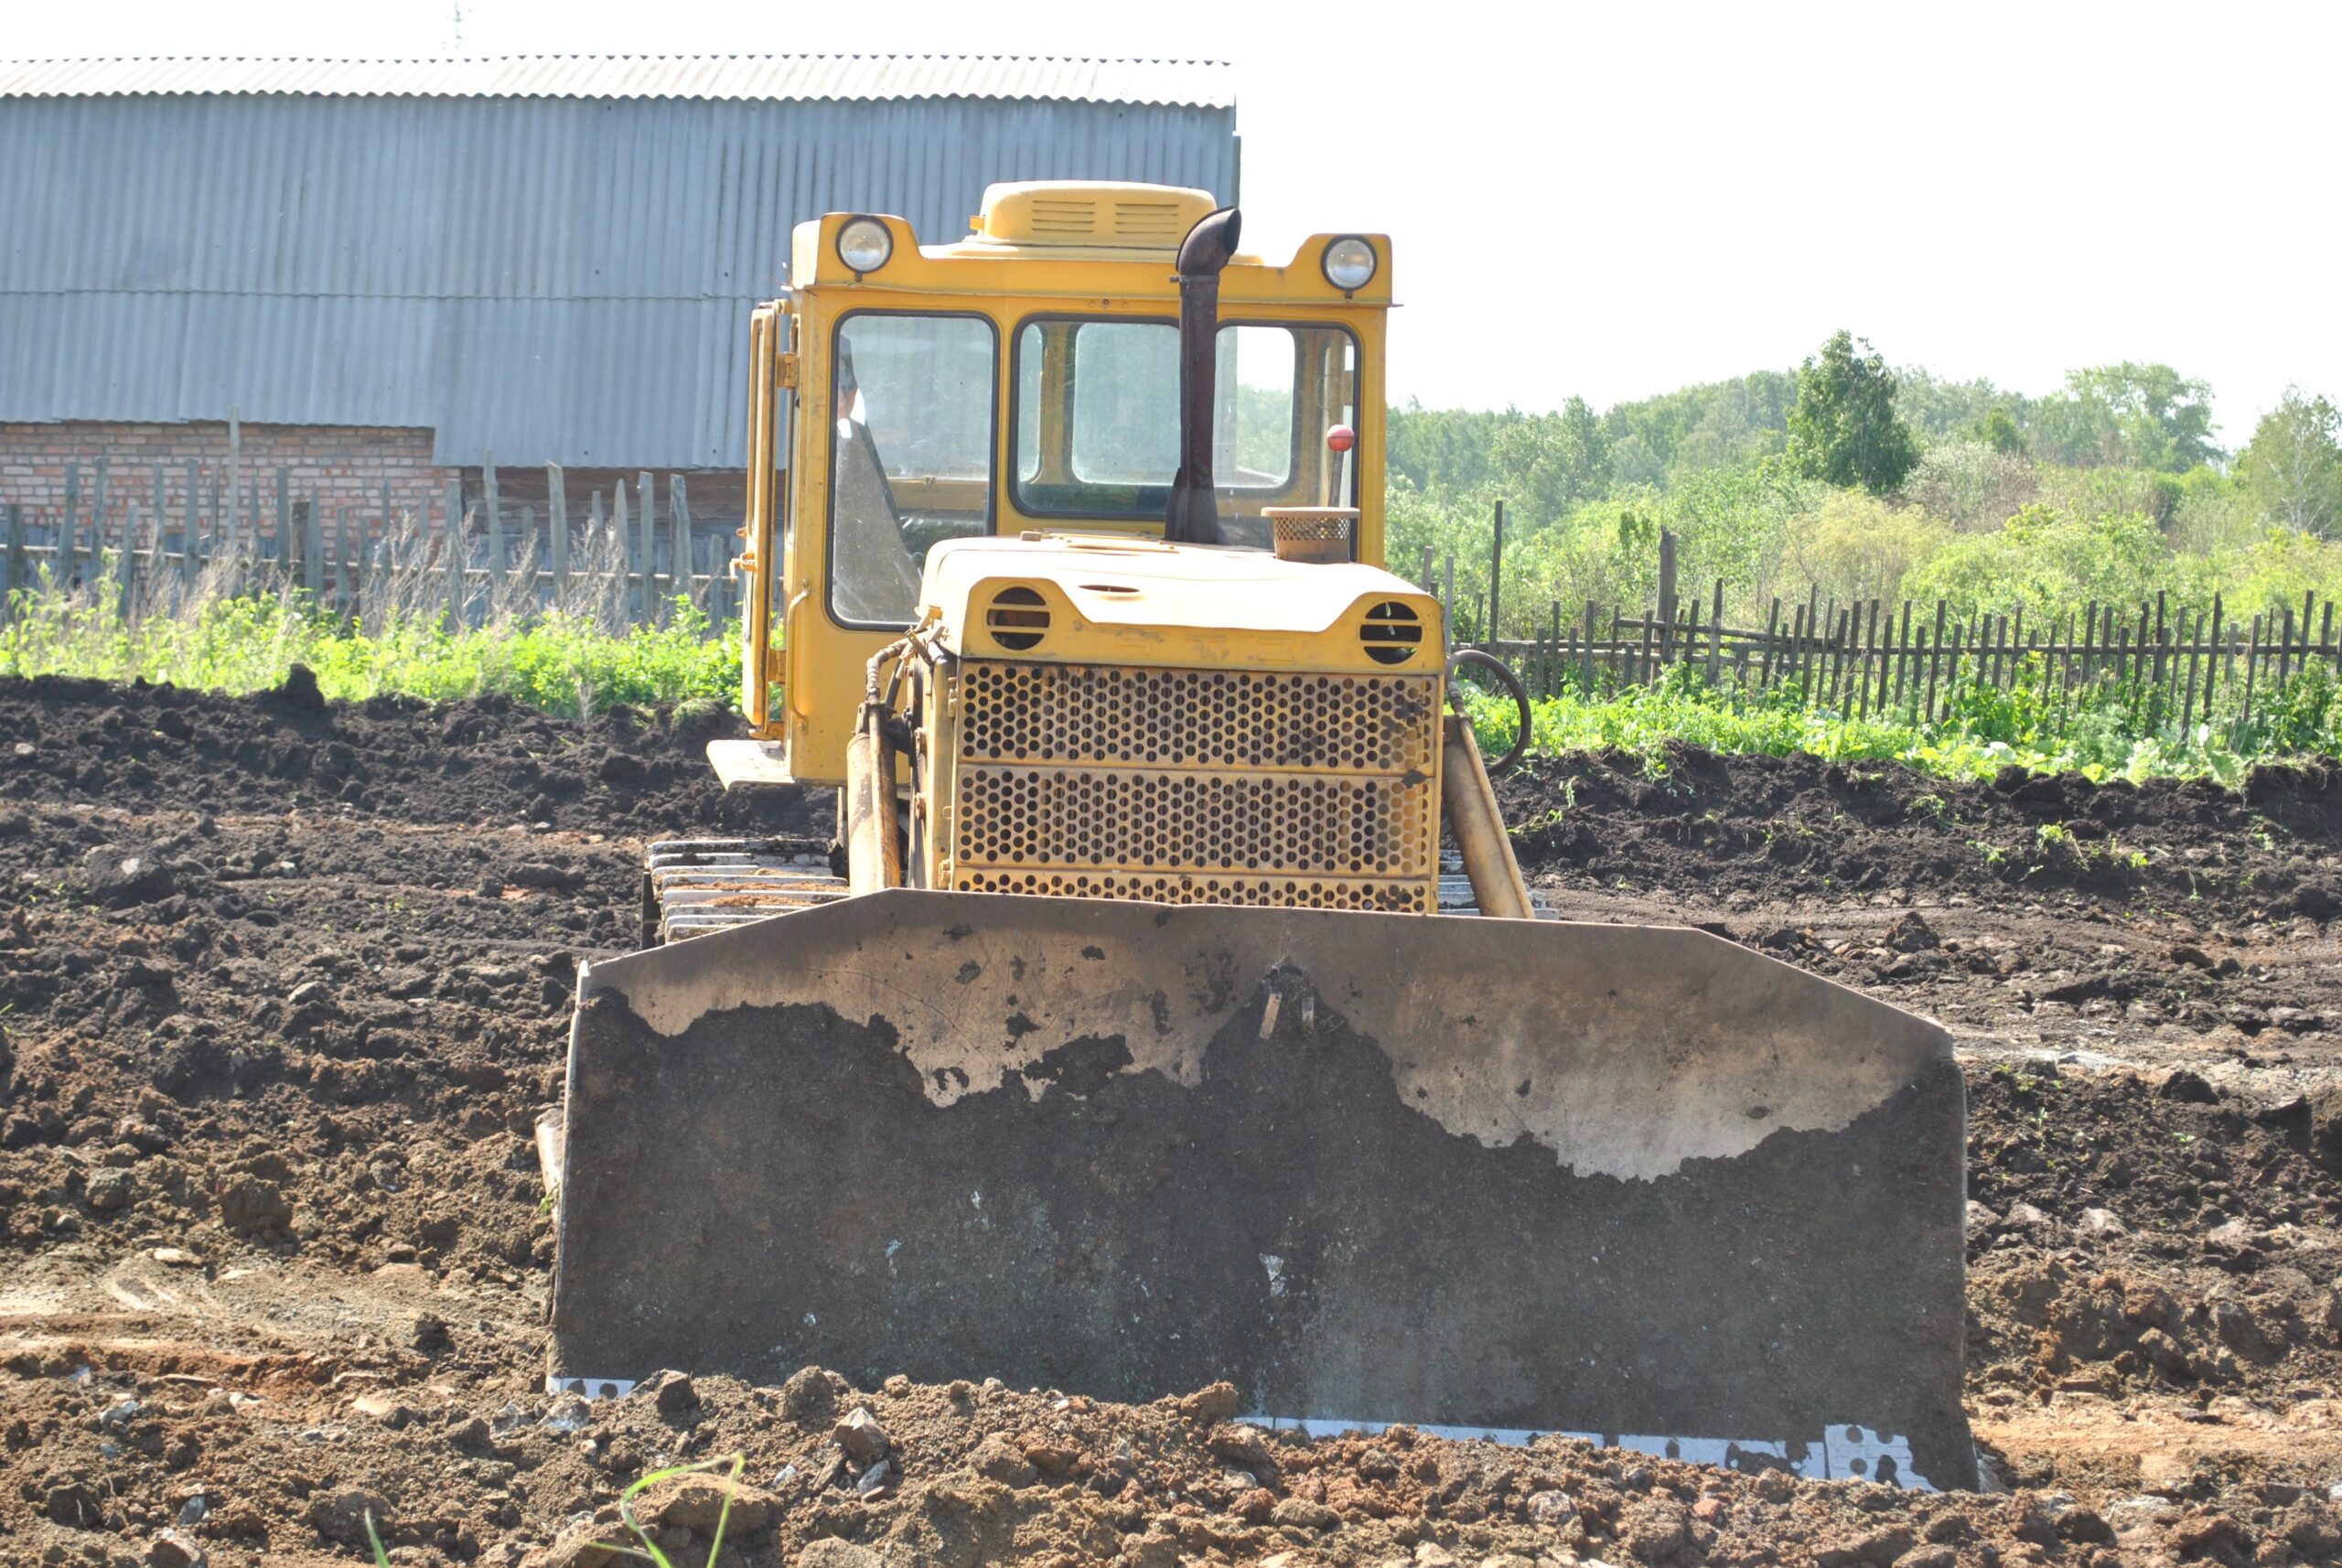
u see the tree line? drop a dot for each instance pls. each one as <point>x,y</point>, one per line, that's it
<point>1875,481</point>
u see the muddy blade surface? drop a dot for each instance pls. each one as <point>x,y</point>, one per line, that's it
<point>1541,1175</point>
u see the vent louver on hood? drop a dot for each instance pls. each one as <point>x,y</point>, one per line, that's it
<point>1091,213</point>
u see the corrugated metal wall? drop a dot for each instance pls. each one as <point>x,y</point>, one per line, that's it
<point>553,280</point>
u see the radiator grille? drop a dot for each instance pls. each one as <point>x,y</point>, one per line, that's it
<point>1106,820</point>
<point>1281,892</point>
<point>1197,718</point>
<point>1196,787</point>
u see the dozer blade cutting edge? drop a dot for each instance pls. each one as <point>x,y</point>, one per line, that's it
<point>1636,1183</point>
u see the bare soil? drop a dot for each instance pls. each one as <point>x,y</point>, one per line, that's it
<point>284,985</point>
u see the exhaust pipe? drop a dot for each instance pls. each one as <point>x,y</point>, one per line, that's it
<point>1193,515</point>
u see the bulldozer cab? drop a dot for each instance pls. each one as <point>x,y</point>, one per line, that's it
<point>1022,378</point>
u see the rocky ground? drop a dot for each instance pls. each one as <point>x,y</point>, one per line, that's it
<point>284,985</point>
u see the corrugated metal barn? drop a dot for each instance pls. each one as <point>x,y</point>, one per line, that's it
<point>549,258</point>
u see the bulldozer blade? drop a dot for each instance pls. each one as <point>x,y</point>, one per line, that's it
<point>1636,1183</point>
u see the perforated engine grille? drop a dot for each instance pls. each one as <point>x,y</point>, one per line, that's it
<point>1197,718</point>
<point>1196,787</point>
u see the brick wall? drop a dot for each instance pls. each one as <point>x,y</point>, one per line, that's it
<point>336,466</point>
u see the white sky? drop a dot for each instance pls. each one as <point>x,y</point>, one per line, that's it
<point>1675,193</point>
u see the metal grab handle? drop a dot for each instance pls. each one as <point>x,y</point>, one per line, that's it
<point>1510,759</point>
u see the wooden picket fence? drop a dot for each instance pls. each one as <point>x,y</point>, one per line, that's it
<point>153,547</point>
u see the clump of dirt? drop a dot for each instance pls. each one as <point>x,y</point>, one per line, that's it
<point>2129,1235</point>
<point>275,1249</point>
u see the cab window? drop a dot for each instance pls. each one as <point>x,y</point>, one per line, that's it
<point>910,454</point>
<point>1096,420</point>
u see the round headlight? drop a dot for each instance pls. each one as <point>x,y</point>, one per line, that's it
<point>865,243</point>
<point>1349,263</point>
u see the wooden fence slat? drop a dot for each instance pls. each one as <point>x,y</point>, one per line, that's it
<point>2190,641</point>
<point>190,522</point>
<point>2212,658</point>
<point>679,524</point>
<point>1902,662</point>
<point>123,568</point>
<point>1715,635</point>
<point>313,547</point>
<point>498,564</point>
<point>13,514</point>
<point>653,612</point>
<point>1593,613</point>
<point>2252,659</point>
<point>557,527</point>
<point>284,510</point>
<point>61,560</point>
<point>452,553</point>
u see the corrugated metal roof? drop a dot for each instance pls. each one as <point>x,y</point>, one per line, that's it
<point>562,280</point>
<point>1206,84</point>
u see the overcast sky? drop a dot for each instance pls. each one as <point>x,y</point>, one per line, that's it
<point>1614,201</point>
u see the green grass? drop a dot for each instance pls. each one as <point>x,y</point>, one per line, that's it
<point>2102,733</point>
<point>563,664</point>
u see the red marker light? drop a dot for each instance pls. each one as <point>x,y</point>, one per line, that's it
<point>1340,438</point>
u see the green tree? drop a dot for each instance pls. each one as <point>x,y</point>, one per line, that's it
<point>1549,464</point>
<point>2128,416</point>
<point>2292,465</point>
<point>1843,428</point>
<point>1998,430</point>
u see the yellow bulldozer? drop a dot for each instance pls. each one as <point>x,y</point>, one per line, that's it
<point>1173,1010</point>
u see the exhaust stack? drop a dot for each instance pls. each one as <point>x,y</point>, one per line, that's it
<point>1193,515</point>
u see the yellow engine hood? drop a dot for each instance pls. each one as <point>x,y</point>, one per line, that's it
<point>1126,596</point>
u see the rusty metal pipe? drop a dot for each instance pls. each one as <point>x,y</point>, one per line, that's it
<point>1470,804</point>
<point>873,851</point>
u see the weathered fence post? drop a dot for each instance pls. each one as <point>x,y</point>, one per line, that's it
<point>1716,636</point>
<point>679,522</point>
<point>312,534</point>
<point>557,527</point>
<point>451,534</point>
<point>495,525</point>
<point>1666,587</point>
<point>61,563</point>
<point>235,466</point>
<point>1496,576</point>
<point>283,511</point>
<point>14,519</point>
<point>654,611</point>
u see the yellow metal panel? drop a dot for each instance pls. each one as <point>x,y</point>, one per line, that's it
<point>1091,212</point>
<point>756,563</point>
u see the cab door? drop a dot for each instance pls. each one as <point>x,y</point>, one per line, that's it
<point>896,436</point>
<point>773,376</point>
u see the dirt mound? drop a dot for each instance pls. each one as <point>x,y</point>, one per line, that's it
<point>486,760</point>
<point>274,1248</point>
<point>1766,828</point>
